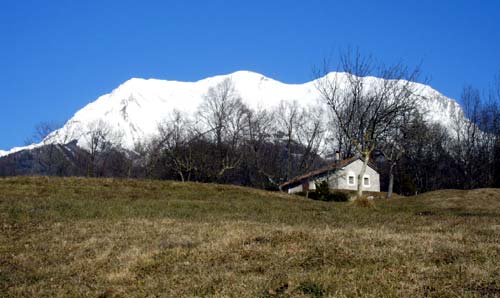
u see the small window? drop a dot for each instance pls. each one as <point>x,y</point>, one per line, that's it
<point>366,181</point>
<point>351,180</point>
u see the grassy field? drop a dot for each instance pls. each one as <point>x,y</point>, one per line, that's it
<point>75,237</point>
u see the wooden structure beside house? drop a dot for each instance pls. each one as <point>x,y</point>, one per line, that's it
<point>341,174</point>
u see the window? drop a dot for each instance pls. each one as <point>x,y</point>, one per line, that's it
<point>366,181</point>
<point>350,180</point>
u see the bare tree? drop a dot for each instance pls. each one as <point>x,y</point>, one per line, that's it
<point>99,138</point>
<point>472,146</point>
<point>49,155</point>
<point>310,136</point>
<point>495,128</point>
<point>289,117</point>
<point>336,140</point>
<point>223,115</point>
<point>426,163</point>
<point>260,129</point>
<point>301,131</point>
<point>392,144</point>
<point>365,108</point>
<point>175,138</point>
<point>41,131</point>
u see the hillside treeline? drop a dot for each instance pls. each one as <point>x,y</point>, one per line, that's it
<point>232,143</point>
<point>228,142</point>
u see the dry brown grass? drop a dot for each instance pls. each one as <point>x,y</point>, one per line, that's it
<point>364,202</point>
<point>72,237</point>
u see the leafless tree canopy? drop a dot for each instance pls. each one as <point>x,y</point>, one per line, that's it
<point>100,139</point>
<point>41,131</point>
<point>229,141</point>
<point>366,109</point>
<point>297,125</point>
<point>225,120</point>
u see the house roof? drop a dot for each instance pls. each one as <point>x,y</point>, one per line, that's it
<point>330,167</point>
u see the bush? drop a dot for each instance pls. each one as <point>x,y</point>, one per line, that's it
<point>322,190</point>
<point>301,193</point>
<point>337,196</point>
<point>364,202</point>
<point>323,193</point>
<point>311,194</point>
<point>312,289</point>
<point>408,187</point>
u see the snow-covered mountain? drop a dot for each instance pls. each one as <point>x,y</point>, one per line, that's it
<point>137,106</point>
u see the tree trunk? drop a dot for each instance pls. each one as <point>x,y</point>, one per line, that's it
<point>90,167</point>
<point>391,180</point>
<point>362,174</point>
<point>288,159</point>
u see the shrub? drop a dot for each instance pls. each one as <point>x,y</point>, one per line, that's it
<point>364,202</point>
<point>311,194</point>
<point>322,190</point>
<point>311,289</point>
<point>314,195</point>
<point>301,193</point>
<point>322,193</point>
<point>408,187</point>
<point>337,196</point>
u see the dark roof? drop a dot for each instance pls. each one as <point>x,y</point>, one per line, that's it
<point>330,167</point>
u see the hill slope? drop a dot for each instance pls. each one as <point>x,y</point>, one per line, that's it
<point>129,238</point>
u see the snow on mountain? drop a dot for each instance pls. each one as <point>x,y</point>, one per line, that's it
<point>17,149</point>
<point>137,106</point>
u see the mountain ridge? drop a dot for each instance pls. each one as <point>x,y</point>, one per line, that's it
<point>138,105</point>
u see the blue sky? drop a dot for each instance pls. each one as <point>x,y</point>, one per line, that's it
<point>57,56</point>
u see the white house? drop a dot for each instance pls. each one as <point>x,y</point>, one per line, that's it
<point>340,175</point>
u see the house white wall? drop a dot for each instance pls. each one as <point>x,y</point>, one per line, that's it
<point>340,179</point>
<point>299,188</point>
